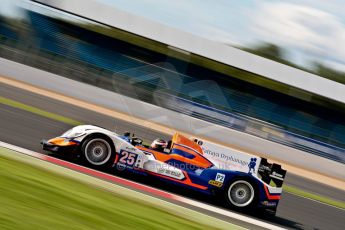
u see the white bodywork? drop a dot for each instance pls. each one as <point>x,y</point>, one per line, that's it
<point>232,159</point>
<point>145,161</point>
<point>227,158</point>
<point>118,142</point>
<point>220,156</point>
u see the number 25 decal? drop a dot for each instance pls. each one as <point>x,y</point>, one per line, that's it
<point>127,158</point>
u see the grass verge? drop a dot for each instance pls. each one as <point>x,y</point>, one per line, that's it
<point>35,198</point>
<point>313,196</point>
<point>38,111</point>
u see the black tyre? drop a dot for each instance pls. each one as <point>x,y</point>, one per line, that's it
<point>240,194</point>
<point>98,151</point>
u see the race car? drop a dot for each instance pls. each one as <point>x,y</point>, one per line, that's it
<point>241,180</point>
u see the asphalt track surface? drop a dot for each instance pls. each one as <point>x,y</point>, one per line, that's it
<point>26,129</point>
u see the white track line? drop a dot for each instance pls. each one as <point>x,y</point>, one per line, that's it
<point>320,202</point>
<point>181,199</point>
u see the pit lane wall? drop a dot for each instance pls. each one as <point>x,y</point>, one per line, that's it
<point>177,121</point>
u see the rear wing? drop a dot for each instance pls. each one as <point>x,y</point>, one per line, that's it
<point>271,173</point>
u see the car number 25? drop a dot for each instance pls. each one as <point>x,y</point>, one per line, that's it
<point>127,158</point>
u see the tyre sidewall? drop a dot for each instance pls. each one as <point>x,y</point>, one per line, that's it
<point>251,205</point>
<point>111,159</point>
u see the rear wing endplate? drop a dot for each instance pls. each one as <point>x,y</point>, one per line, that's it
<point>271,173</point>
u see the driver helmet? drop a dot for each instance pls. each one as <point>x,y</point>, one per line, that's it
<point>159,144</point>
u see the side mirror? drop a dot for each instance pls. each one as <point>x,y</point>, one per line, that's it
<point>136,141</point>
<point>127,134</point>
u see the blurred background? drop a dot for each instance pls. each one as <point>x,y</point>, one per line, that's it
<point>300,34</point>
<point>294,102</point>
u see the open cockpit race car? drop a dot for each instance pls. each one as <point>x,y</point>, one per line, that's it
<point>241,180</point>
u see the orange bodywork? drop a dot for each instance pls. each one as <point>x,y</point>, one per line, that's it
<point>186,146</point>
<point>182,143</point>
<point>59,141</point>
<point>166,157</point>
<point>182,140</point>
<point>198,160</point>
<point>189,153</point>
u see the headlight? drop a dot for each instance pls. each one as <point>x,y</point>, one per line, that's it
<point>73,133</point>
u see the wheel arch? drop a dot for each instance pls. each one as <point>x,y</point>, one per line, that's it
<point>250,179</point>
<point>101,135</point>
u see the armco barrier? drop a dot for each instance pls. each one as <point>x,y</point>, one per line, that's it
<point>178,121</point>
<point>252,126</point>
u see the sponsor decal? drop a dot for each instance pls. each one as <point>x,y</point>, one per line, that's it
<point>120,167</point>
<point>169,172</point>
<point>130,148</point>
<point>269,204</point>
<point>224,156</point>
<point>277,174</point>
<point>220,177</point>
<point>264,168</point>
<point>230,159</point>
<point>252,165</point>
<point>215,183</point>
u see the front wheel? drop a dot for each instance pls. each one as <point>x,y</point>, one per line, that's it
<point>97,151</point>
<point>240,194</point>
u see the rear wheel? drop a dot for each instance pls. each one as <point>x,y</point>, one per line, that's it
<point>97,151</point>
<point>240,194</point>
